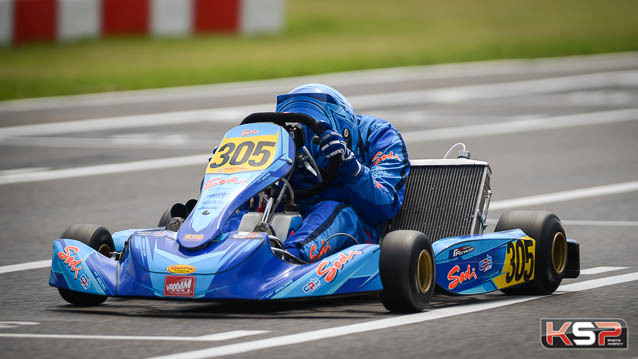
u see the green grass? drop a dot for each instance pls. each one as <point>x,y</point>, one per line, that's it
<point>325,36</point>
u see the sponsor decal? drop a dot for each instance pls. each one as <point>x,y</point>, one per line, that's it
<point>179,286</point>
<point>457,279</point>
<point>378,185</point>
<point>67,256</point>
<point>461,251</point>
<point>379,172</point>
<point>247,235</point>
<point>232,169</point>
<point>193,237</point>
<point>330,271</point>
<point>100,282</point>
<point>311,286</point>
<point>85,282</point>
<point>249,132</point>
<point>569,333</point>
<point>325,247</point>
<point>219,181</point>
<point>485,264</point>
<point>158,234</point>
<point>181,269</point>
<point>212,203</point>
<point>282,286</point>
<point>380,157</point>
<point>217,194</point>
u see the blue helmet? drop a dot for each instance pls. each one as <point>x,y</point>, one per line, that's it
<point>326,105</point>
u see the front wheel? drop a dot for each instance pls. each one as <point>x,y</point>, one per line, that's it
<point>551,249</point>
<point>407,271</point>
<point>98,238</point>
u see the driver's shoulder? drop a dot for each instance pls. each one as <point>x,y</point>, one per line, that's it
<point>371,127</point>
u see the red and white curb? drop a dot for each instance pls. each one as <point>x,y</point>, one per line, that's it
<point>36,20</point>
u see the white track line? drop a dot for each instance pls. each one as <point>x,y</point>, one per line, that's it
<point>566,195</point>
<point>511,203</point>
<point>539,124</point>
<point>588,223</point>
<point>438,134</point>
<point>221,115</point>
<point>348,330</point>
<point>586,63</point>
<point>22,170</point>
<point>19,138</point>
<point>163,142</point>
<point>597,283</point>
<point>14,324</point>
<point>171,162</point>
<point>25,266</point>
<point>601,223</point>
<point>598,270</point>
<point>235,114</point>
<point>205,338</point>
<point>497,90</point>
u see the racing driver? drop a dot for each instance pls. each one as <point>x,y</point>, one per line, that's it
<point>370,184</point>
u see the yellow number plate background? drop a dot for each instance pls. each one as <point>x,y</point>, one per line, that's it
<point>223,156</point>
<point>501,280</point>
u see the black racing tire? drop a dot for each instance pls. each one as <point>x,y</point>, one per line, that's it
<point>551,249</point>
<point>190,205</point>
<point>98,238</point>
<point>407,270</point>
<point>94,236</point>
<point>177,210</point>
<point>81,299</point>
<point>165,218</point>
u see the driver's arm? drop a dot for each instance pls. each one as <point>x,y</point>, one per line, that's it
<point>377,191</point>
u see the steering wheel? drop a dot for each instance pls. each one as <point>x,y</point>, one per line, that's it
<point>280,118</point>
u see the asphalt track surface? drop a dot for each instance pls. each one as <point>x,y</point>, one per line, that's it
<point>560,135</point>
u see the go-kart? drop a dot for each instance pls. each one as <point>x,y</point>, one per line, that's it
<point>190,256</point>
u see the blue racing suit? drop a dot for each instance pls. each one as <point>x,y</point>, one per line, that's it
<point>358,206</point>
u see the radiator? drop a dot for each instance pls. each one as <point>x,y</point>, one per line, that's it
<point>445,198</point>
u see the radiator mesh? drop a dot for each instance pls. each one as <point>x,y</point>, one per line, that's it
<point>440,201</point>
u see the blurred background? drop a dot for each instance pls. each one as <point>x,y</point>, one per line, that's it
<point>60,47</point>
<point>559,132</point>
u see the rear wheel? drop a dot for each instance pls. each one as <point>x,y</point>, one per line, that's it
<point>407,270</point>
<point>551,249</point>
<point>98,238</point>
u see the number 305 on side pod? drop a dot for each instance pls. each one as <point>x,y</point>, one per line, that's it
<point>239,154</point>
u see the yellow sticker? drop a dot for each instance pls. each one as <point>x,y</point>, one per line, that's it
<point>181,269</point>
<point>242,154</point>
<point>520,257</point>
<point>193,237</point>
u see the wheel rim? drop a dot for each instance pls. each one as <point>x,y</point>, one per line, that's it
<point>559,252</point>
<point>424,271</point>
<point>105,250</point>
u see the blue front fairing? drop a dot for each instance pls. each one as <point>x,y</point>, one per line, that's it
<point>241,266</point>
<point>227,187</point>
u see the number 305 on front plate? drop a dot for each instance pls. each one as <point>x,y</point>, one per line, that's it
<point>241,154</point>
